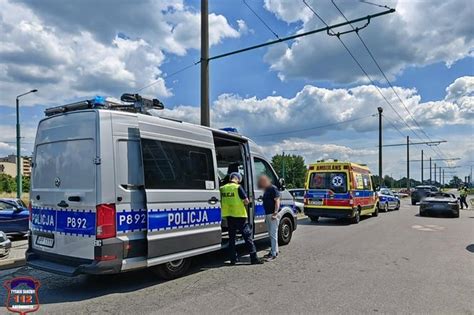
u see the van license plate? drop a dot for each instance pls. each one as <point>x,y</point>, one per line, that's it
<point>45,241</point>
<point>316,202</point>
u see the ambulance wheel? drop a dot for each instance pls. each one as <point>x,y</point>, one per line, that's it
<point>285,231</point>
<point>376,212</point>
<point>173,269</point>
<point>356,218</point>
<point>314,218</point>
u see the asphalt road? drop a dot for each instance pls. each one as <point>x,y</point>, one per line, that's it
<point>395,263</point>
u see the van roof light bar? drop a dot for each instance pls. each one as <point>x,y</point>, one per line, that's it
<point>133,103</point>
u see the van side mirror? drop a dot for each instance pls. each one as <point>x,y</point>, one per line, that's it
<point>282,184</point>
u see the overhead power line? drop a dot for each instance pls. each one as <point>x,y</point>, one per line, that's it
<point>365,73</point>
<point>381,71</point>
<point>316,127</point>
<point>295,36</point>
<point>169,76</point>
<point>374,4</point>
<point>261,20</point>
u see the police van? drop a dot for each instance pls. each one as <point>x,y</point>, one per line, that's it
<point>116,189</point>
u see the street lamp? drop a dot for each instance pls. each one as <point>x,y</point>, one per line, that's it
<point>18,151</point>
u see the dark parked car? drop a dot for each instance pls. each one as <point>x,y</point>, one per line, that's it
<point>5,245</point>
<point>421,192</point>
<point>13,217</point>
<point>439,203</point>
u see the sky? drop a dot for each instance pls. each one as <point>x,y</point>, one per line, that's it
<point>305,96</point>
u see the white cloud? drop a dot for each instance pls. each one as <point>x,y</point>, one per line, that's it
<point>419,33</point>
<point>115,47</point>
<point>279,117</point>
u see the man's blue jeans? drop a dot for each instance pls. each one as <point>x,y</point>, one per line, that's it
<point>272,227</point>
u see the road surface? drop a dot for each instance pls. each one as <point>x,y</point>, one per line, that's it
<point>395,263</point>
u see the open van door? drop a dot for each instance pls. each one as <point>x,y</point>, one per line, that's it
<point>182,193</point>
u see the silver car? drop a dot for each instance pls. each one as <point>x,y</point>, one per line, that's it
<point>5,245</point>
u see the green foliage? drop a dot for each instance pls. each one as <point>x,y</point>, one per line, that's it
<point>25,183</point>
<point>290,167</point>
<point>7,183</point>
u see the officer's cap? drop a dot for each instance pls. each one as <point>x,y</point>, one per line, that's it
<point>235,175</point>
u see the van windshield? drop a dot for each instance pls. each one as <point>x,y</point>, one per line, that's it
<point>65,165</point>
<point>336,182</point>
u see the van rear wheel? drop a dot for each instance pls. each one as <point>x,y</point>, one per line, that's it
<point>285,231</point>
<point>173,269</point>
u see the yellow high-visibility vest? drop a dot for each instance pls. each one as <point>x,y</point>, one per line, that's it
<point>231,204</point>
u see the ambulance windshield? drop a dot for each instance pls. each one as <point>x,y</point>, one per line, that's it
<point>337,182</point>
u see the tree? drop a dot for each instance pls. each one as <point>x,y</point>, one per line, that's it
<point>290,167</point>
<point>455,182</point>
<point>7,183</point>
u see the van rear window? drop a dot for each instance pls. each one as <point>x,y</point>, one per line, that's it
<point>170,165</point>
<point>337,182</point>
<point>65,164</point>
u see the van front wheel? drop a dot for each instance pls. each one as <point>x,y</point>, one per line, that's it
<point>285,231</point>
<point>173,269</point>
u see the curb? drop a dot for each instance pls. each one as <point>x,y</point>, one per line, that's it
<point>12,263</point>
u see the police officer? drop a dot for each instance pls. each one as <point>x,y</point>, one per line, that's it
<point>233,203</point>
<point>463,197</point>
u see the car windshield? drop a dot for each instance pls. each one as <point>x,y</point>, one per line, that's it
<point>336,182</point>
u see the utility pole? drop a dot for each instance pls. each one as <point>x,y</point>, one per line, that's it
<point>422,167</point>
<point>435,173</point>
<point>380,110</point>
<point>205,114</point>
<point>443,176</point>
<point>430,172</point>
<point>18,149</point>
<point>408,163</point>
<point>283,165</point>
<point>440,174</point>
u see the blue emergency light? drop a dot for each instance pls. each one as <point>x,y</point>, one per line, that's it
<point>230,129</point>
<point>98,101</point>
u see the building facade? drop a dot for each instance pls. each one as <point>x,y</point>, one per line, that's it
<point>8,165</point>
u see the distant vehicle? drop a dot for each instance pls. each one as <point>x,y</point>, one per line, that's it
<point>387,200</point>
<point>438,203</point>
<point>14,216</point>
<point>405,191</point>
<point>298,194</point>
<point>5,245</point>
<point>400,194</point>
<point>421,192</point>
<point>339,190</point>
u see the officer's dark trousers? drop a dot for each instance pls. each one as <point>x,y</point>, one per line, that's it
<point>240,224</point>
<point>463,202</point>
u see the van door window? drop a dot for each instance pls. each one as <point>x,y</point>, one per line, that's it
<point>170,165</point>
<point>263,168</point>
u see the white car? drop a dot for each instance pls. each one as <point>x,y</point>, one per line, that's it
<point>5,245</point>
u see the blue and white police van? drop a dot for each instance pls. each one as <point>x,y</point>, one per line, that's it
<point>387,200</point>
<point>116,189</point>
